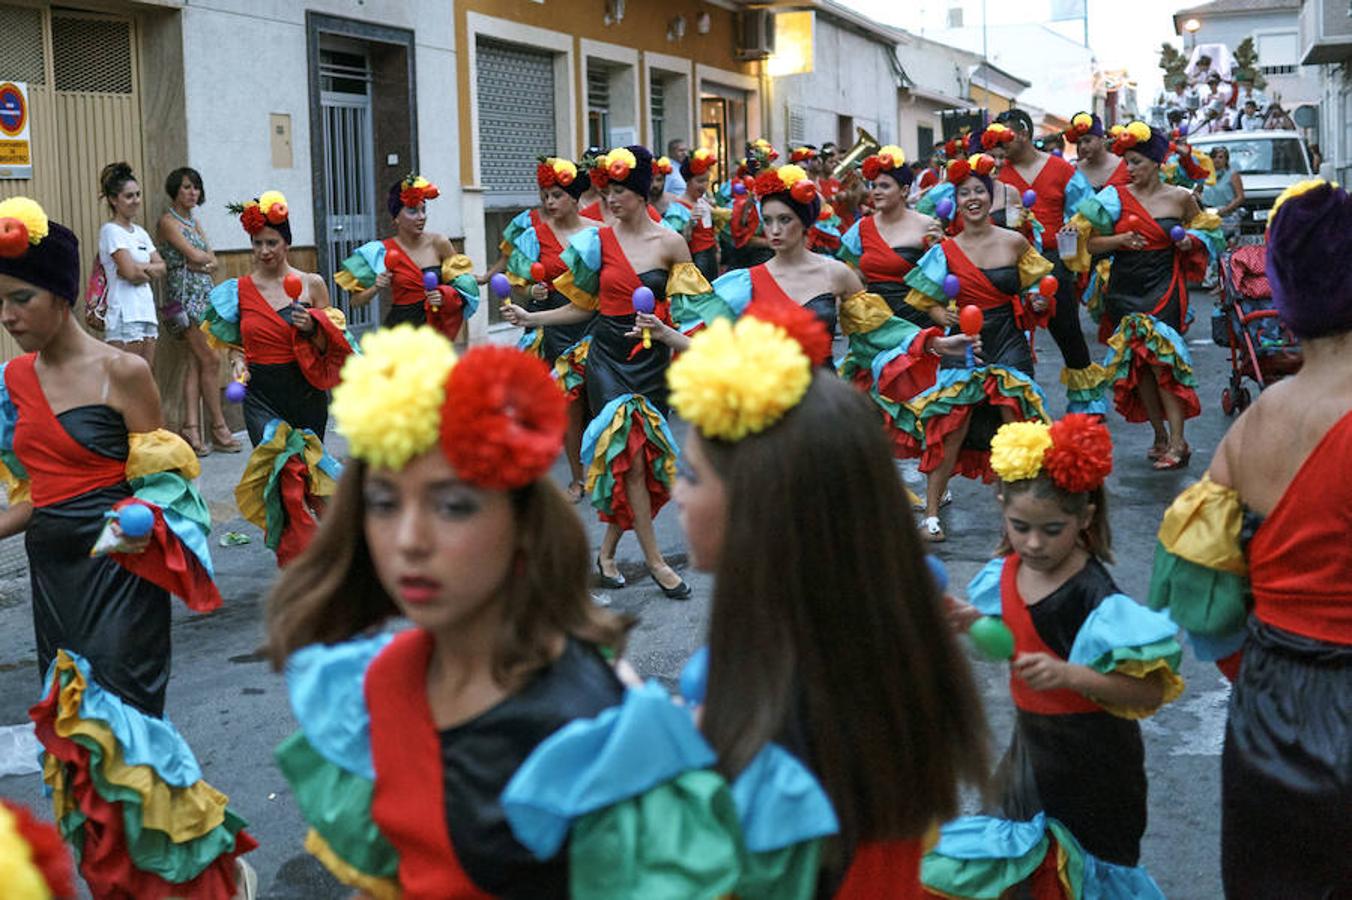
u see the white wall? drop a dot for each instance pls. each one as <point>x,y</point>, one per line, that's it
<point>1061,71</point>
<point>247,59</point>
<point>1301,87</point>
<point>851,76</point>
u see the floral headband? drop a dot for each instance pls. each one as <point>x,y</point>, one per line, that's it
<point>781,179</point>
<point>701,161</point>
<point>551,171</point>
<point>267,210</point>
<point>1082,124</point>
<point>959,170</point>
<point>1133,135</point>
<point>36,862</point>
<point>738,380</point>
<point>416,190</point>
<point>618,163</point>
<point>662,166</point>
<point>885,160</point>
<point>763,151</point>
<point>802,154</point>
<point>496,412</point>
<point>23,224</point>
<point>1076,453</point>
<point>995,135</point>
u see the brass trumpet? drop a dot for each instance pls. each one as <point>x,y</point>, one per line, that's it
<point>866,145</point>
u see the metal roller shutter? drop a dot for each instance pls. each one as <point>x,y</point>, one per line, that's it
<point>516,119</point>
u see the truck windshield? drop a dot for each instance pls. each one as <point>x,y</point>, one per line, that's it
<point>1267,156</point>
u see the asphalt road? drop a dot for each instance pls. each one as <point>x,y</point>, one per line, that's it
<point>233,709</point>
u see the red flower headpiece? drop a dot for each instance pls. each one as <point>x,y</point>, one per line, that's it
<point>801,324</point>
<point>47,852</point>
<point>1081,455</point>
<point>416,191</point>
<point>802,154</point>
<point>267,209</point>
<point>996,135</point>
<point>958,171</point>
<point>661,166</point>
<point>1137,133</point>
<point>982,164</point>
<point>503,419</point>
<point>782,179</point>
<point>550,172</point>
<point>952,147</point>
<point>701,161</point>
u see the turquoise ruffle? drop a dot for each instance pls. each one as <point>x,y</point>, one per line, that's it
<point>929,273</point>
<point>9,417</point>
<point>597,426</point>
<point>928,203</point>
<point>185,512</point>
<point>1213,647</point>
<point>1102,210</point>
<point>676,217</point>
<point>1119,622</point>
<point>780,803</point>
<point>582,256</point>
<point>1078,190</point>
<point>694,681</point>
<point>983,591</point>
<point>325,683</point>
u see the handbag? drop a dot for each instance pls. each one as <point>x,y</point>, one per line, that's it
<point>96,297</point>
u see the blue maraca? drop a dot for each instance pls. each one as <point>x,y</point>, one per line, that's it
<point>500,286</point>
<point>135,520</point>
<point>234,392</point>
<point>938,572</point>
<point>1182,129</point>
<point>951,286</point>
<point>1177,233</point>
<point>738,188</point>
<point>1029,198</point>
<point>944,209</point>
<point>645,302</point>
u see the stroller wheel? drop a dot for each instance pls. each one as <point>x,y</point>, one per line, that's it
<point>1227,402</point>
<point>1242,399</point>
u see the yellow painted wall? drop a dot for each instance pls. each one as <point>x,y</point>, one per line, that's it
<point>644,29</point>
<point>991,100</point>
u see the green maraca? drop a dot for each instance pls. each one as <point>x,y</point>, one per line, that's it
<point>992,638</point>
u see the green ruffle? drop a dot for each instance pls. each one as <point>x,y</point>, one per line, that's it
<point>918,281</point>
<point>357,266</point>
<point>988,878</point>
<point>1139,326</point>
<point>337,804</point>
<point>587,279</point>
<point>1200,599</point>
<point>1096,215</point>
<point>153,851</point>
<point>690,311</point>
<point>515,228</point>
<point>225,331</point>
<point>519,265</point>
<point>171,491</point>
<point>602,493</point>
<point>1167,650</point>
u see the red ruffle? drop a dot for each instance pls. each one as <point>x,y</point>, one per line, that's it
<point>884,870</point>
<point>166,563</point>
<point>1229,666</point>
<point>911,372</point>
<point>658,494</point>
<point>322,370</point>
<point>300,509</point>
<point>1127,401</point>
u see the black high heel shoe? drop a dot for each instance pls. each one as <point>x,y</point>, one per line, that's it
<point>680,592</point>
<point>612,582</point>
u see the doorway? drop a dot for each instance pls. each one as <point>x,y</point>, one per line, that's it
<point>349,188</point>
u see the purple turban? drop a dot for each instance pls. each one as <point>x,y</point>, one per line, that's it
<point>1310,231</point>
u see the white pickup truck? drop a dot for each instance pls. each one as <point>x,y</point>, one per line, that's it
<point>1268,162</point>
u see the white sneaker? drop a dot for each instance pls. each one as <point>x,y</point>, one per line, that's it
<point>932,531</point>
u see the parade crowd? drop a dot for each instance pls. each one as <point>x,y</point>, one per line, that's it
<point>467,723</point>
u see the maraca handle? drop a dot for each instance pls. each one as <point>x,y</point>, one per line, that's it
<point>647,338</point>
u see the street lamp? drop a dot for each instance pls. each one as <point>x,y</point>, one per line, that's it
<point>1192,26</point>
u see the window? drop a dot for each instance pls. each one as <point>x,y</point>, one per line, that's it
<point>1266,156</point>
<point>955,17</point>
<point>657,111</point>
<point>1277,70</point>
<point>598,105</point>
<point>924,141</point>
<point>1278,50</point>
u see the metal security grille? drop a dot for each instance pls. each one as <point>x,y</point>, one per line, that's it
<point>657,103</point>
<point>91,54</point>
<point>349,169</point>
<point>21,57</point>
<point>598,105</point>
<point>516,118</point>
<point>797,129</point>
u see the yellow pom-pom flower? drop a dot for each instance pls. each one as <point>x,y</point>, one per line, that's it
<point>22,879</point>
<point>791,175</point>
<point>1139,130</point>
<point>268,199</point>
<point>1083,120</point>
<point>30,213</point>
<point>738,380</point>
<point>621,155</point>
<point>1017,450</point>
<point>564,168</point>
<point>892,155</point>
<point>388,405</point>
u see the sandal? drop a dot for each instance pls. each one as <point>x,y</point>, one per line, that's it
<point>946,499</point>
<point>575,489</point>
<point>1173,459</point>
<point>197,446</point>
<point>1157,450</point>
<point>228,444</point>
<point>932,531</point>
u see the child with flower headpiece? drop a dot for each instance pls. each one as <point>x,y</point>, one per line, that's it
<point>837,716</point>
<point>426,280</point>
<point>697,169</point>
<point>286,347</point>
<point>1155,240</point>
<point>113,525</point>
<point>445,516</point>
<point>1086,663</point>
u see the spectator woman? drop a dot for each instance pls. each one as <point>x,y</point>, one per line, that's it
<point>130,262</point>
<point>1226,195</point>
<point>189,266</point>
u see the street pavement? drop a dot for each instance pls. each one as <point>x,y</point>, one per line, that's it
<point>233,709</point>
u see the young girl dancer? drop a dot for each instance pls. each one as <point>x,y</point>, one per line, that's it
<point>1087,662</point>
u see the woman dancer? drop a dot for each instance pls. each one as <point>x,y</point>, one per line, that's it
<point>703,243</point>
<point>540,236</point>
<point>289,357</point>
<point>445,516</point>
<point>1087,662</point>
<point>189,265</point>
<point>789,782</point>
<point>130,262</point>
<point>401,264</point>
<point>1006,203</point>
<point>1254,561</point>
<point>888,244</point>
<point>628,449</point>
<point>81,437</point>
<point>1158,240</point>
<point>950,425</point>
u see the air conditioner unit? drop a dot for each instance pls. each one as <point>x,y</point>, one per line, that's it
<point>755,34</point>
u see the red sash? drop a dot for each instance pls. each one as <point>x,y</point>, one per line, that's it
<point>593,211</point>
<point>877,260</point>
<point>408,802</point>
<point>1120,177</point>
<point>1026,640</point>
<point>701,238</point>
<point>407,289</point>
<point>619,280</point>
<point>551,251</point>
<point>975,287</point>
<point>743,232</point>
<point>1050,185</point>
<point>269,339</point>
<point>1155,239</point>
<point>58,467</point>
<point>884,870</point>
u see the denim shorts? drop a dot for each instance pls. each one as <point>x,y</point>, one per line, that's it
<point>131,332</point>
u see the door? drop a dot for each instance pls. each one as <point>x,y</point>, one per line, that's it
<point>349,168</point>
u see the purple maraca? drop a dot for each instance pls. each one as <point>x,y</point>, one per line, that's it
<point>1182,129</point>
<point>944,208</point>
<point>234,392</point>
<point>1177,233</point>
<point>430,283</point>
<point>951,286</point>
<point>738,188</point>
<point>645,302</point>
<point>1029,198</point>
<point>500,286</point>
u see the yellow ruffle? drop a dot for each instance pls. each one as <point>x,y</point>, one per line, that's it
<point>1146,668</point>
<point>377,888</point>
<point>687,280</point>
<point>565,285</point>
<point>1203,525</point>
<point>1121,348</point>
<point>21,878</point>
<point>348,282</point>
<point>722,217</point>
<point>453,267</point>
<point>1011,384</point>
<point>922,301</point>
<point>257,471</point>
<point>1089,378</point>
<point>216,343</point>
<point>149,452</point>
<point>598,465</point>
<point>1082,259</point>
<point>1033,267</point>
<point>863,312</point>
<point>336,317</point>
<point>19,488</point>
<point>184,814</point>
<point>1206,220</point>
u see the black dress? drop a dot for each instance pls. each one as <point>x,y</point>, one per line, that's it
<point>612,371</point>
<point>1141,279</point>
<point>281,391</point>
<point>894,292</point>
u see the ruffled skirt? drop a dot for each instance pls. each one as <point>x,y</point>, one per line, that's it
<point>1140,342</point>
<point>285,485</point>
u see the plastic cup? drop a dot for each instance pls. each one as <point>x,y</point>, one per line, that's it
<point>1067,243</point>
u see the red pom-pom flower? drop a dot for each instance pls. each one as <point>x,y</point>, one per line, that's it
<point>982,164</point>
<point>767,183</point>
<point>252,219</point>
<point>872,168</point>
<point>958,171</point>
<point>504,417</point>
<point>47,851</point>
<point>801,324</point>
<point>1081,455</point>
<point>545,176</point>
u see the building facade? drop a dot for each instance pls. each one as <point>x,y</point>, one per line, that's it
<point>1326,43</point>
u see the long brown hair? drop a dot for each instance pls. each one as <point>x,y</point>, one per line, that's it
<point>1097,536</point>
<point>826,622</point>
<point>331,592</point>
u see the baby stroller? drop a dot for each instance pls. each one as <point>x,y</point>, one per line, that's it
<point>1262,348</point>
